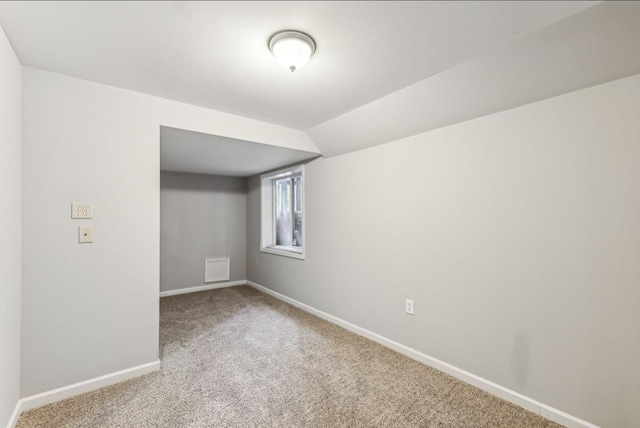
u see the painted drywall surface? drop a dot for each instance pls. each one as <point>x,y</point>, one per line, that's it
<point>92,309</point>
<point>554,60</point>
<point>516,235</point>
<point>201,216</point>
<point>493,82</point>
<point>10,228</point>
<point>200,119</point>
<point>88,309</point>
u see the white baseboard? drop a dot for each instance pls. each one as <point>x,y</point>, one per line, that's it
<point>13,420</point>
<point>202,288</point>
<point>89,385</point>
<point>514,397</point>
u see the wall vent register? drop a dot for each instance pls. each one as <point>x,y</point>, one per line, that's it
<point>216,269</point>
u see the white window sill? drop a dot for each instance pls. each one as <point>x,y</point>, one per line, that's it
<point>281,250</point>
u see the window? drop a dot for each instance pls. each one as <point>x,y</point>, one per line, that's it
<point>282,208</point>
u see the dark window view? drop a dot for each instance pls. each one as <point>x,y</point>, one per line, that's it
<point>288,203</point>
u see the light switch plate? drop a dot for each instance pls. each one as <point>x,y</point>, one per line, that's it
<point>85,234</point>
<point>81,210</point>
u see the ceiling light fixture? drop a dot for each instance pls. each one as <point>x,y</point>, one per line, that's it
<point>292,48</point>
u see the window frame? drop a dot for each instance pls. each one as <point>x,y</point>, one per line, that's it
<point>268,215</point>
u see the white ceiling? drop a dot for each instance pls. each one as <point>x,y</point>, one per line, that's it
<point>194,152</point>
<point>382,70</point>
<point>214,54</point>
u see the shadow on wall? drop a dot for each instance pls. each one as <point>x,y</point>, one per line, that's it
<point>201,183</point>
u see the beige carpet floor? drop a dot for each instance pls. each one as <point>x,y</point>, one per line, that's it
<point>236,357</point>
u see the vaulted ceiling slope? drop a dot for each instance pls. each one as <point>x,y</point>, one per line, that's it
<point>382,70</point>
<point>589,48</point>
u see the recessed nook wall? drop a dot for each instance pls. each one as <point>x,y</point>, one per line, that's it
<point>201,216</point>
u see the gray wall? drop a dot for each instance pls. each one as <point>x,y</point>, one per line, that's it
<point>88,309</point>
<point>200,216</point>
<point>10,228</point>
<point>87,142</point>
<point>516,235</point>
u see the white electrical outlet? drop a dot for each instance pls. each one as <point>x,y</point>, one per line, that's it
<point>408,306</point>
<point>81,210</point>
<point>85,234</point>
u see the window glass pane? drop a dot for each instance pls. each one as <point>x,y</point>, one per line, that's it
<point>281,206</point>
<point>297,212</point>
<point>284,230</point>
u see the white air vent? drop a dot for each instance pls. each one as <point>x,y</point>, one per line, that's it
<point>216,269</point>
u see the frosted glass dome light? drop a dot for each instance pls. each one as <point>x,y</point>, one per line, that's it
<point>292,48</point>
